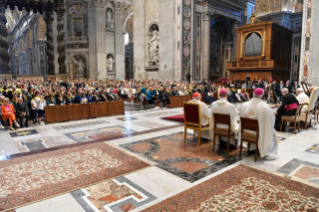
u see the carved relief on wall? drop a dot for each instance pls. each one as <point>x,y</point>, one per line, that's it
<point>77,8</point>
<point>41,29</point>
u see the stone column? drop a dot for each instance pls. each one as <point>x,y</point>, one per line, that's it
<point>96,34</point>
<point>206,31</point>
<point>60,10</point>
<point>48,18</point>
<point>4,45</point>
<point>119,41</point>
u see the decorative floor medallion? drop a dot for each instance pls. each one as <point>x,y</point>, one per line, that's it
<point>126,118</point>
<point>244,189</point>
<point>314,149</point>
<point>23,133</point>
<point>32,178</point>
<point>185,160</point>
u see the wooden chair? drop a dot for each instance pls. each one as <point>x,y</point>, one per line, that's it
<point>192,120</point>
<point>315,113</point>
<point>293,119</point>
<point>306,117</point>
<point>218,131</point>
<point>249,133</point>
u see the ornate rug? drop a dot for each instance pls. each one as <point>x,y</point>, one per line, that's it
<point>244,189</point>
<point>37,177</point>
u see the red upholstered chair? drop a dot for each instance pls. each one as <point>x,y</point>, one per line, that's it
<point>192,120</point>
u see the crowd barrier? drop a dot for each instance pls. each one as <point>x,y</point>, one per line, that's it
<point>62,113</point>
<point>177,101</point>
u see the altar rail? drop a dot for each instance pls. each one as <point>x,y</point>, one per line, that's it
<point>62,113</point>
<point>177,101</point>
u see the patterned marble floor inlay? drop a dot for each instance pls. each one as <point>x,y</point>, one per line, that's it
<point>120,195</point>
<point>164,113</point>
<point>303,169</point>
<point>126,118</point>
<point>314,149</point>
<point>95,134</point>
<point>23,133</point>
<point>243,189</point>
<point>79,125</point>
<point>44,175</point>
<point>186,160</point>
<point>150,124</point>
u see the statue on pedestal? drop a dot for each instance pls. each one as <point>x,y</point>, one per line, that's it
<point>109,19</point>
<point>80,68</point>
<point>110,63</point>
<point>153,46</point>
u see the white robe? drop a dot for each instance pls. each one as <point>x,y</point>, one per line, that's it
<point>204,111</point>
<point>222,106</point>
<point>267,142</point>
<point>303,98</point>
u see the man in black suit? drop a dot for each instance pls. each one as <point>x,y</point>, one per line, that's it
<point>275,90</point>
<point>295,87</point>
<point>174,91</point>
<point>288,107</point>
<point>22,112</point>
<point>288,86</point>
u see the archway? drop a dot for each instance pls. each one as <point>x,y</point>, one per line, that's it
<point>220,47</point>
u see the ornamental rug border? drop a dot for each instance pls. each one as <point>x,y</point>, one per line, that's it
<point>117,163</point>
<point>193,199</point>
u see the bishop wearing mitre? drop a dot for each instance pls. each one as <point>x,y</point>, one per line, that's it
<point>256,109</point>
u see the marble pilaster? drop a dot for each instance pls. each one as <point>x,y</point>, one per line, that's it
<point>206,31</point>
<point>96,33</point>
<point>119,41</point>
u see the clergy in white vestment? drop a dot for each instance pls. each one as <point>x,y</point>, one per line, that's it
<point>222,106</point>
<point>204,111</point>
<point>256,109</point>
<point>302,98</point>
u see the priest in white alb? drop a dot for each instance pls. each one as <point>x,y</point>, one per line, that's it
<point>222,106</point>
<point>256,109</point>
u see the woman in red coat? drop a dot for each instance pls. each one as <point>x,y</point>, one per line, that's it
<point>7,112</point>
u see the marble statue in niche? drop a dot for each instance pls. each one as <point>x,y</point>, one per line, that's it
<point>153,47</point>
<point>110,63</point>
<point>80,68</point>
<point>109,19</point>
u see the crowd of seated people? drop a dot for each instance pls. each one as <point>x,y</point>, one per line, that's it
<point>36,95</point>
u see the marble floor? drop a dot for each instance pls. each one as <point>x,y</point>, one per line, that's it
<point>175,166</point>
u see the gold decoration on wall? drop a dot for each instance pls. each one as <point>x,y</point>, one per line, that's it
<point>253,19</point>
<point>30,39</point>
<point>41,29</point>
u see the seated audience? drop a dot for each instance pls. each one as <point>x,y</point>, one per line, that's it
<point>22,112</point>
<point>222,106</point>
<point>288,107</point>
<point>96,96</point>
<point>1,103</point>
<point>256,109</point>
<point>8,112</point>
<point>41,103</point>
<point>68,98</point>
